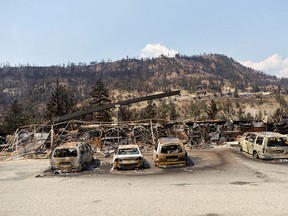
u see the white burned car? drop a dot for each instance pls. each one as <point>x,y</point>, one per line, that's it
<point>265,145</point>
<point>128,157</point>
<point>72,156</point>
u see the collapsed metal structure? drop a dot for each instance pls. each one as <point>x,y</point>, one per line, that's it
<point>30,141</point>
<point>40,140</point>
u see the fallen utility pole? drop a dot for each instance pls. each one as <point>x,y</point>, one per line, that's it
<point>93,109</point>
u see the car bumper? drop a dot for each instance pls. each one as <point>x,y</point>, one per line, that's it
<point>170,163</point>
<point>274,156</point>
<point>66,167</point>
<point>128,164</point>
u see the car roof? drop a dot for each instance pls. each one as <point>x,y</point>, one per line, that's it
<point>128,146</point>
<point>269,134</point>
<point>167,140</point>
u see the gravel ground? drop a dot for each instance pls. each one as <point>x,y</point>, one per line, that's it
<point>219,181</point>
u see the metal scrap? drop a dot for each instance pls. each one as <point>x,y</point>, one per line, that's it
<point>105,138</point>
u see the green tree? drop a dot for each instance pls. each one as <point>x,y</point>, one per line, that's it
<point>99,97</point>
<point>125,114</point>
<point>258,116</point>
<point>255,88</point>
<point>16,117</point>
<point>163,110</point>
<point>260,101</point>
<point>281,100</point>
<point>61,102</point>
<point>248,117</point>
<point>212,110</point>
<point>279,114</point>
<point>196,108</point>
<point>228,109</point>
<point>240,113</point>
<point>149,111</point>
<point>236,94</point>
<point>172,111</point>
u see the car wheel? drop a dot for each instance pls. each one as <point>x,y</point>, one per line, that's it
<point>84,167</point>
<point>145,165</point>
<point>255,155</point>
<point>115,166</point>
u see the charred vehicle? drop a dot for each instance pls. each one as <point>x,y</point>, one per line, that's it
<point>128,157</point>
<point>72,156</point>
<point>169,151</point>
<point>265,145</point>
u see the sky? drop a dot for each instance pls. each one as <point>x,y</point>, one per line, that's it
<point>56,32</point>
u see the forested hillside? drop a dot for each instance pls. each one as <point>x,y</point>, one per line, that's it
<point>32,85</point>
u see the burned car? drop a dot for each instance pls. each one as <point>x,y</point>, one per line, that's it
<point>128,157</point>
<point>265,145</point>
<point>72,156</point>
<point>169,151</point>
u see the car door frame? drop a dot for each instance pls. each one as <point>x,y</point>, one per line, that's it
<point>245,142</point>
<point>250,143</point>
<point>258,147</point>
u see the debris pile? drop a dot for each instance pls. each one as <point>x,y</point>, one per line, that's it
<point>105,138</point>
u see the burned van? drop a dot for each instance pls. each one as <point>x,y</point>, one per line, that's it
<point>265,145</point>
<point>169,152</point>
<point>72,156</point>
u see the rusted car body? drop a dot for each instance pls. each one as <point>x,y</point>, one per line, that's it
<point>265,145</point>
<point>169,152</point>
<point>72,156</point>
<point>128,157</point>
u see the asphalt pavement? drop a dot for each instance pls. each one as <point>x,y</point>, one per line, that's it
<point>218,181</point>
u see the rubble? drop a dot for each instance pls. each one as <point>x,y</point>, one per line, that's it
<point>232,144</point>
<point>37,142</point>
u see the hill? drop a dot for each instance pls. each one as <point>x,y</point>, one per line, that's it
<point>208,73</point>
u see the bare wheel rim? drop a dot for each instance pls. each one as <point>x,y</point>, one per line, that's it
<point>255,155</point>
